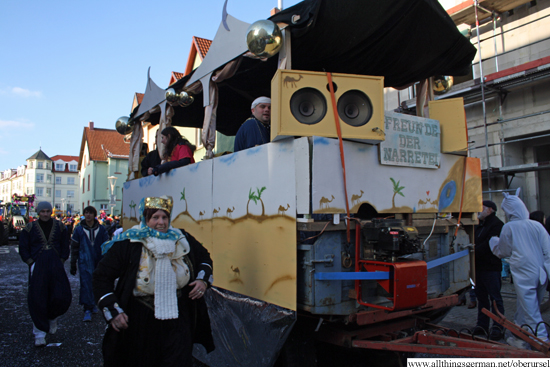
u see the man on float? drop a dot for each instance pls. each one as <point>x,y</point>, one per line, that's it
<point>255,130</point>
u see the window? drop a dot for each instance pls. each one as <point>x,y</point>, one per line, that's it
<point>60,166</point>
<point>70,193</point>
<point>83,184</point>
<point>49,192</point>
<point>40,165</point>
<point>103,207</point>
<point>49,179</point>
<point>88,182</point>
<point>58,180</point>
<point>39,191</point>
<point>70,180</point>
<point>40,177</point>
<point>57,193</point>
<point>57,206</point>
<point>31,164</point>
<point>47,165</point>
<point>70,208</point>
<point>29,191</point>
<point>72,167</point>
<point>29,177</point>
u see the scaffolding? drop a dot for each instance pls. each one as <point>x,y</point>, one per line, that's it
<point>497,84</point>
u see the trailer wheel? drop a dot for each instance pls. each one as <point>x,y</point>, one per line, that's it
<point>299,349</point>
<point>4,233</point>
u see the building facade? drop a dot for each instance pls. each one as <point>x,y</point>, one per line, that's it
<point>506,95</point>
<point>103,154</point>
<point>53,180</point>
<point>66,195</point>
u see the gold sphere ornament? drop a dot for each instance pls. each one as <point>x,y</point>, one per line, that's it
<point>442,84</point>
<point>124,125</point>
<point>171,96</point>
<point>184,98</point>
<point>264,38</point>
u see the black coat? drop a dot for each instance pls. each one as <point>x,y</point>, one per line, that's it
<point>151,160</point>
<point>485,259</point>
<point>122,262</point>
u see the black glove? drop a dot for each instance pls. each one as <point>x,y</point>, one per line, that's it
<point>73,269</point>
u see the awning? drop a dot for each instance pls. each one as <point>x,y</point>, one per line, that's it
<point>403,40</point>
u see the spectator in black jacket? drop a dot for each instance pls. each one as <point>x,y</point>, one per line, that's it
<point>488,270</point>
<point>151,160</point>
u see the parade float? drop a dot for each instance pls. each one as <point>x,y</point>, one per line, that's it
<point>15,216</point>
<point>354,225</point>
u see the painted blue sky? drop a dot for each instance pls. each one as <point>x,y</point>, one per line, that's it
<point>65,63</point>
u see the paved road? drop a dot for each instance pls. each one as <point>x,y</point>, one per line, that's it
<point>78,344</point>
<point>462,317</point>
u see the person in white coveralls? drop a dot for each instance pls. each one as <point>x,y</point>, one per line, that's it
<point>527,244</point>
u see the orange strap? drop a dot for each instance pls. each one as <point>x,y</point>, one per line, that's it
<point>342,158</point>
<point>463,179</point>
<point>462,194</point>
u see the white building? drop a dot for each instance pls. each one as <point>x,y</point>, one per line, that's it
<point>54,180</point>
<point>66,186</point>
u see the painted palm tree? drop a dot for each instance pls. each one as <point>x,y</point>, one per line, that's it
<point>132,206</point>
<point>255,196</point>
<point>396,190</point>
<point>183,198</point>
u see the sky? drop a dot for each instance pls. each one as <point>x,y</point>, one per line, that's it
<point>65,63</point>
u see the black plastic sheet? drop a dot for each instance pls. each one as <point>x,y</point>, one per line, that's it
<point>247,332</point>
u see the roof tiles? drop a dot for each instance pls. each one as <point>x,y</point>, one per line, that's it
<point>105,143</point>
<point>203,45</point>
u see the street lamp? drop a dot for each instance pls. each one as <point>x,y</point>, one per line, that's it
<point>112,182</point>
<point>63,205</point>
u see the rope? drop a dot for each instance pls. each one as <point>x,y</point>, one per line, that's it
<point>342,158</point>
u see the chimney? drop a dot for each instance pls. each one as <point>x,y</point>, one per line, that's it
<point>91,125</point>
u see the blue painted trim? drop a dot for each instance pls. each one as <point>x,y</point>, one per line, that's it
<point>448,258</point>
<point>382,275</point>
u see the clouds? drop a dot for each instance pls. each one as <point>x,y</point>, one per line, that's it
<point>25,92</point>
<point>6,125</point>
<point>21,92</point>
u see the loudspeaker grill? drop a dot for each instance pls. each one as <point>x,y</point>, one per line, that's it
<point>308,106</point>
<point>355,108</point>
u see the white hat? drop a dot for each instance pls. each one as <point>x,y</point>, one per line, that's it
<point>259,100</point>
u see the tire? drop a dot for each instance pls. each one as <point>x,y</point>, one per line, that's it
<point>299,349</point>
<point>4,233</point>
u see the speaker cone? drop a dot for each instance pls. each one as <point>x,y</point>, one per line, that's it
<point>355,108</point>
<point>308,106</point>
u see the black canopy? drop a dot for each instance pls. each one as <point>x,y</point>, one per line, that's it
<point>403,40</point>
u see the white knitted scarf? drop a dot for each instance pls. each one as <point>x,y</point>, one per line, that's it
<point>166,300</point>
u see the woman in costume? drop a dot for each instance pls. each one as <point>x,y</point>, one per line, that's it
<point>178,151</point>
<point>157,310</point>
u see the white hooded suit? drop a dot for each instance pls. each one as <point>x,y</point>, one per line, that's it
<point>527,244</point>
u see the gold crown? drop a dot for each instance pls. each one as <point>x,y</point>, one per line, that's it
<point>164,203</point>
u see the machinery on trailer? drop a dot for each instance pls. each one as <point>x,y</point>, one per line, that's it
<point>15,216</point>
<point>354,225</point>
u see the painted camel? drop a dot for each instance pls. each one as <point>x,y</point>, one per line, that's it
<point>282,209</point>
<point>325,202</point>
